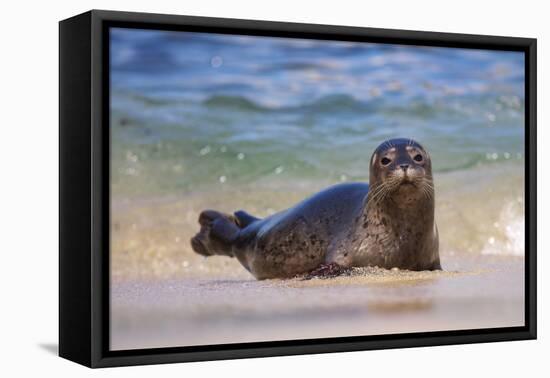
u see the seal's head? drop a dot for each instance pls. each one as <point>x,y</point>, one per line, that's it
<point>400,169</point>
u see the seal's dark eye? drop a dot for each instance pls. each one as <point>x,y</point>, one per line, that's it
<point>417,157</point>
<point>385,161</point>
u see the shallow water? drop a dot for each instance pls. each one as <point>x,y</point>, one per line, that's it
<point>204,121</point>
<point>191,111</point>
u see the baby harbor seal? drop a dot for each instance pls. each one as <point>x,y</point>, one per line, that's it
<point>387,223</point>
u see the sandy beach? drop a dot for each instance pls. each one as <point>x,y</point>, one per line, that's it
<point>232,310</point>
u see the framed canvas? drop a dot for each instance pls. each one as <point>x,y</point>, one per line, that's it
<point>235,188</point>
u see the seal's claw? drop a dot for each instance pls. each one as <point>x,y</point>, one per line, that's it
<point>329,270</point>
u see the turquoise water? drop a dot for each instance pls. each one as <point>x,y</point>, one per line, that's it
<point>190,111</point>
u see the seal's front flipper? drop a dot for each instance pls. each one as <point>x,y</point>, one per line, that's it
<point>329,270</point>
<point>217,235</point>
<point>244,219</point>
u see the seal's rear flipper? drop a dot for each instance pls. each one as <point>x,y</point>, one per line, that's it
<point>217,234</point>
<point>244,219</point>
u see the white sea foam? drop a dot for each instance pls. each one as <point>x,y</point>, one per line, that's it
<point>509,238</point>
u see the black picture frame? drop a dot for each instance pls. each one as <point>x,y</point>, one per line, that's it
<point>84,188</point>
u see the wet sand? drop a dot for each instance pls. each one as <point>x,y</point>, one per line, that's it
<point>194,311</point>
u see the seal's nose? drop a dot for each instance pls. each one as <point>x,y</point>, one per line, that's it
<point>404,166</point>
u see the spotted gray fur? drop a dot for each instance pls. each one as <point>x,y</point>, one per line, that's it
<point>389,224</point>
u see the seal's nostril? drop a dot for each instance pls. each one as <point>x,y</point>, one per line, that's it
<point>404,166</point>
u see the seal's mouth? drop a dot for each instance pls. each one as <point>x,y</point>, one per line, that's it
<point>407,180</point>
<point>407,183</point>
<point>399,185</point>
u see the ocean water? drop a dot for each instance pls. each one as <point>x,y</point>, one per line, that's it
<point>262,122</point>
